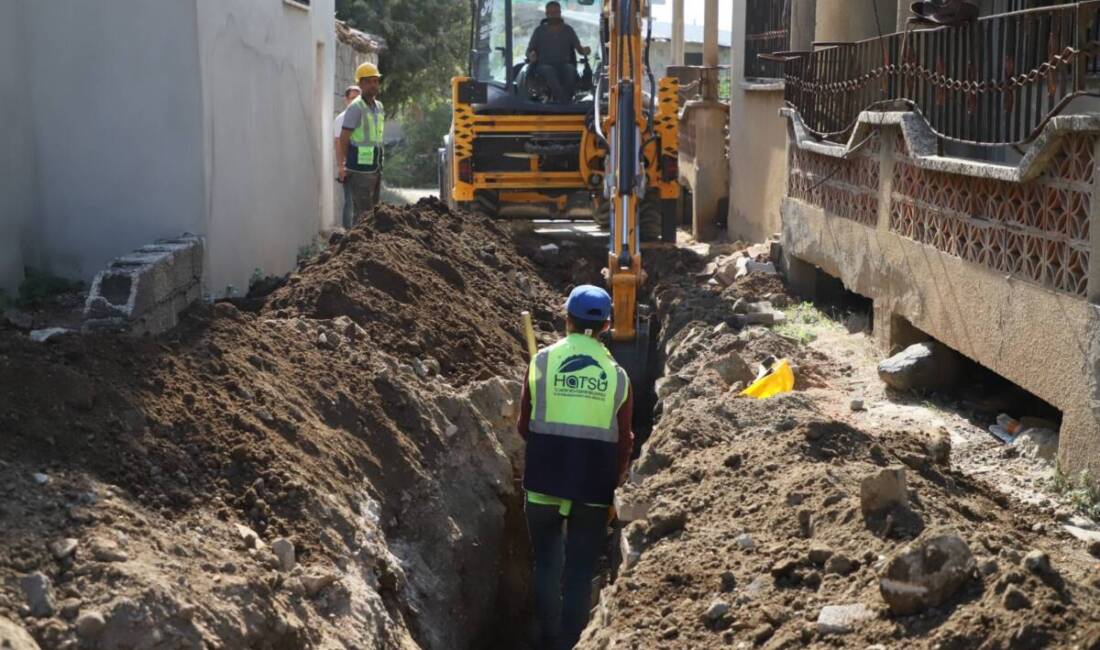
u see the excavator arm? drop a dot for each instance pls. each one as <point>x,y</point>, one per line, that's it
<point>626,129</point>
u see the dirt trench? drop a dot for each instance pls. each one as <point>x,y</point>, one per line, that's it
<point>330,464</point>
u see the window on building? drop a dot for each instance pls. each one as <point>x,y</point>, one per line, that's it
<point>693,58</point>
<point>767,30</point>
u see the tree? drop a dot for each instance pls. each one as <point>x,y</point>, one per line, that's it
<point>427,43</point>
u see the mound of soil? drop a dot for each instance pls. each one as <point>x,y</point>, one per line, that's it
<point>748,520</point>
<point>426,282</point>
<point>177,465</point>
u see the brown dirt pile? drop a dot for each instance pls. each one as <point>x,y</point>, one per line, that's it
<point>748,518</point>
<point>176,464</point>
<point>400,279</point>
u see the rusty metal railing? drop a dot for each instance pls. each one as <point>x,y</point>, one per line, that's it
<point>996,81</point>
<point>767,29</point>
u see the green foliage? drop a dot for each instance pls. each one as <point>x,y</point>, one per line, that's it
<point>1083,491</point>
<point>39,286</point>
<point>427,43</point>
<point>414,162</point>
<point>802,322</point>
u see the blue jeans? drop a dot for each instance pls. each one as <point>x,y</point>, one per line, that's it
<point>565,563</point>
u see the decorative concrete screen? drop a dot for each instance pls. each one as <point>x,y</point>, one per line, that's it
<point>846,188</point>
<point>1038,230</point>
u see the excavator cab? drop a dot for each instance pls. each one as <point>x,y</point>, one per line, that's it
<point>610,155</point>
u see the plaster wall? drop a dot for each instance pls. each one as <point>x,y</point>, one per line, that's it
<point>838,21</point>
<point>17,156</point>
<point>757,147</point>
<point>114,91</point>
<point>267,73</point>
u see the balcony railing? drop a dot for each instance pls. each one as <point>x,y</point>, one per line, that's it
<point>767,29</point>
<point>996,81</point>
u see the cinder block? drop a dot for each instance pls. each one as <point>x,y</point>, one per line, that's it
<point>147,288</point>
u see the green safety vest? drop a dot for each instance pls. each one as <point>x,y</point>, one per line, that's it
<point>576,390</point>
<point>367,137</point>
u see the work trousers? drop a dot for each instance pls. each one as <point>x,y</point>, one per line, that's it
<point>365,189</point>
<point>347,217</point>
<point>566,551</point>
<point>562,79</point>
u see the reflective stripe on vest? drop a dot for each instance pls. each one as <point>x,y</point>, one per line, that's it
<point>576,390</point>
<point>367,136</point>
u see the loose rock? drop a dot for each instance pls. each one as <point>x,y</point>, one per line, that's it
<point>840,619</point>
<point>63,548</point>
<point>926,573</point>
<point>924,366</point>
<point>39,592</point>
<point>14,637</point>
<point>883,491</point>
<point>839,564</point>
<point>107,550</point>
<point>716,610</point>
<point>284,551</point>
<point>1037,562</point>
<point>1014,598</point>
<point>90,625</point>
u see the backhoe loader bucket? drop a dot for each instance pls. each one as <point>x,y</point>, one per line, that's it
<point>636,357</point>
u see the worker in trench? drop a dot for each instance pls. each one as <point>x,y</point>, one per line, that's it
<point>576,418</point>
<point>359,154</point>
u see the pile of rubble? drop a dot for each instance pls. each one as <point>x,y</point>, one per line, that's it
<point>776,523</point>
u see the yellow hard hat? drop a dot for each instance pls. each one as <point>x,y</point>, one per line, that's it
<point>367,70</point>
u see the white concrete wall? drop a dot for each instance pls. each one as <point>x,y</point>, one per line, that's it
<point>114,90</point>
<point>17,156</point>
<point>267,75</point>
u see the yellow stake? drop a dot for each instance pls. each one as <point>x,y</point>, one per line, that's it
<point>529,332</point>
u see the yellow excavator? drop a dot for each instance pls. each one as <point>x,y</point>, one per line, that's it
<point>610,154</point>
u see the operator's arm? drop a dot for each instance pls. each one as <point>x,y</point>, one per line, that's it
<point>533,45</point>
<point>342,154</point>
<point>626,434</point>
<point>351,120</point>
<point>577,43</point>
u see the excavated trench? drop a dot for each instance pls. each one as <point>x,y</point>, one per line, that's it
<point>578,260</point>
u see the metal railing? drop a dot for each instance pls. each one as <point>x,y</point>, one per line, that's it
<point>996,81</point>
<point>767,29</point>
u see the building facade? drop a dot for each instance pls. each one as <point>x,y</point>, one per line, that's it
<point>948,173</point>
<point>134,121</point>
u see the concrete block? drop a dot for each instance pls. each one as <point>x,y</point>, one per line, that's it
<point>148,288</point>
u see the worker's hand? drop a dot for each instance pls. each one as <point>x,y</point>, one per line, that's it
<point>342,175</point>
<point>586,50</point>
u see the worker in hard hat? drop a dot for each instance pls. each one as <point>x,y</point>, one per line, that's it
<point>576,418</point>
<point>351,93</point>
<point>360,150</point>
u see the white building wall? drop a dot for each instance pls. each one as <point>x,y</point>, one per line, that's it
<point>267,74</point>
<point>17,159</point>
<point>115,95</point>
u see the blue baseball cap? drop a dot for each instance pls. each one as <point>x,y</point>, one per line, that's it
<point>589,302</point>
